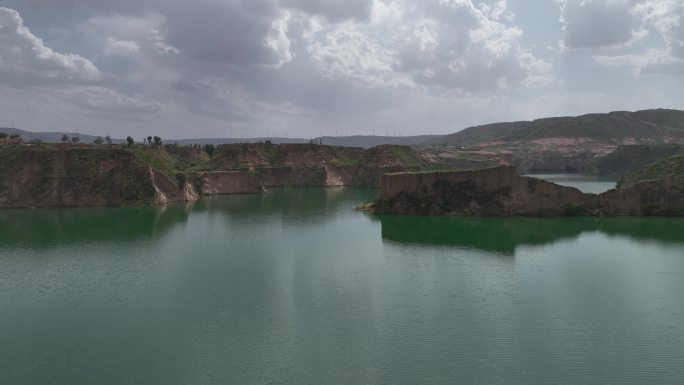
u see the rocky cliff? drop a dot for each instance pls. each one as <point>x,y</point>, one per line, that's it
<point>48,176</point>
<point>256,167</point>
<point>500,191</point>
<point>52,175</point>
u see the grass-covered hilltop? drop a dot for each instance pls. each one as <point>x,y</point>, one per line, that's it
<point>47,175</point>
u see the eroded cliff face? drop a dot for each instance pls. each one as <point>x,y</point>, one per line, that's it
<point>86,175</point>
<point>500,191</point>
<point>308,165</point>
<point>257,167</point>
<point>82,176</point>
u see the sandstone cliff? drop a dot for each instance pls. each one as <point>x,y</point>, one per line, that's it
<point>500,191</point>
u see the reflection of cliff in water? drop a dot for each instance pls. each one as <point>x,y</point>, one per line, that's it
<point>48,226</point>
<point>311,205</point>
<point>504,235</point>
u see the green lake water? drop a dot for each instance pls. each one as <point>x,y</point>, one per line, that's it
<point>297,287</point>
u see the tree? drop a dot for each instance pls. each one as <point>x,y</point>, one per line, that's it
<point>210,149</point>
<point>65,138</point>
<point>3,135</point>
<point>157,141</point>
<point>75,139</point>
<point>149,140</point>
<point>98,140</point>
<point>108,139</point>
<point>15,136</point>
<point>129,140</point>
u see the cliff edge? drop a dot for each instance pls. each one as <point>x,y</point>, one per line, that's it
<point>500,191</point>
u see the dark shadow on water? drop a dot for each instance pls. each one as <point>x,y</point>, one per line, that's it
<point>42,227</point>
<point>504,235</point>
<point>311,205</point>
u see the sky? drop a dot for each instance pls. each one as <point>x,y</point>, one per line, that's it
<point>305,68</point>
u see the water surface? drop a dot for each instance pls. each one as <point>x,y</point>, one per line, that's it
<point>585,183</point>
<point>297,287</point>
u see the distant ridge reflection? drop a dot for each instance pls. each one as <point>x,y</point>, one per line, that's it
<point>504,235</point>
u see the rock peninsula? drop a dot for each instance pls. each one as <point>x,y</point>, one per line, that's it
<point>500,191</point>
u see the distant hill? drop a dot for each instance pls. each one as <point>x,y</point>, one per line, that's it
<point>659,125</point>
<point>345,141</point>
<point>48,137</point>
<point>562,144</point>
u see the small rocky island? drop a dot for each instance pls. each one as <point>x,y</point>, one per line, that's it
<point>500,191</point>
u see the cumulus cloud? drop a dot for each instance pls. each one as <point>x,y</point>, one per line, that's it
<point>665,18</point>
<point>24,56</point>
<point>591,24</point>
<point>252,67</point>
<point>450,44</point>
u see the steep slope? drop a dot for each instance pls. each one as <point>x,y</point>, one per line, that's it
<point>50,175</point>
<point>54,175</point>
<point>668,168</point>
<point>500,191</point>
<point>242,168</point>
<point>630,158</point>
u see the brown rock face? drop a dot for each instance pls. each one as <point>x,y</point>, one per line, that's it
<point>75,176</point>
<point>500,191</point>
<point>70,175</point>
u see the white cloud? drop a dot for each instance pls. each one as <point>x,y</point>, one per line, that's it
<point>451,45</point>
<point>120,47</point>
<point>666,18</point>
<point>24,55</point>
<point>159,42</point>
<point>277,40</point>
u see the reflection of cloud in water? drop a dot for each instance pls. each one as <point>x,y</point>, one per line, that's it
<point>504,235</point>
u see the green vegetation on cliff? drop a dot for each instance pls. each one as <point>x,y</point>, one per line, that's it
<point>670,167</point>
<point>81,175</point>
<point>626,159</point>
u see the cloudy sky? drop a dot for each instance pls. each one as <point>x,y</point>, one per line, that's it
<point>303,68</point>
